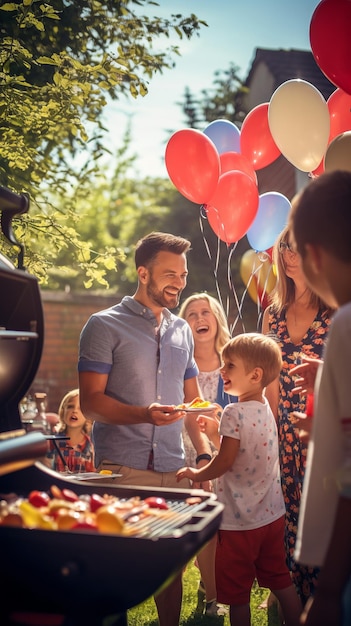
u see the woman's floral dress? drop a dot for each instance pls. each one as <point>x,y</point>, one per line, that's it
<point>292,450</point>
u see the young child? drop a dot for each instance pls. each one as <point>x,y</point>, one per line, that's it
<point>251,537</point>
<point>321,224</point>
<point>77,451</point>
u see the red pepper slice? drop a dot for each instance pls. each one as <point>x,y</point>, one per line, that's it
<point>156,503</point>
<point>69,495</point>
<point>38,498</point>
<point>96,502</point>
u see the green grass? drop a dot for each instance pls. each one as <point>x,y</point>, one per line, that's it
<point>145,614</point>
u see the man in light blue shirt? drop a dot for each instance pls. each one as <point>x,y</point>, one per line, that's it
<point>136,363</point>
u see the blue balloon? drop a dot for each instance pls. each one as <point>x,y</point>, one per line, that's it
<point>270,220</point>
<point>225,136</point>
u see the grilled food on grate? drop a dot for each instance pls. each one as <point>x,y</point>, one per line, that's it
<point>63,509</point>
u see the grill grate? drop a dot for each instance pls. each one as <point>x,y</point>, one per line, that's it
<point>164,523</point>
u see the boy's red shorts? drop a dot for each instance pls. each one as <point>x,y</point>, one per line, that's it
<point>243,555</point>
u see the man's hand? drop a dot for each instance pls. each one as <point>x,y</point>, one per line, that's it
<point>164,414</point>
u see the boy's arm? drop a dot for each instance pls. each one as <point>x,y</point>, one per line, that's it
<point>220,464</point>
<point>210,426</point>
<point>199,440</point>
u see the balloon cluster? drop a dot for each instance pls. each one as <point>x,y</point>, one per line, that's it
<point>217,168</point>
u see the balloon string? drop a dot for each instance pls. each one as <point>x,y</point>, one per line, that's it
<point>202,231</point>
<point>239,315</point>
<point>232,289</point>
<point>215,266</point>
<point>264,292</point>
<point>216,263</point>
<point>258,301</point>
<point>254,271</point>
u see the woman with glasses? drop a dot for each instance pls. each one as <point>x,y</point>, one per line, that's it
<point>299,321</point>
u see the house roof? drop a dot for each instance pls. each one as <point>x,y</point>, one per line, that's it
<point>291,64</point>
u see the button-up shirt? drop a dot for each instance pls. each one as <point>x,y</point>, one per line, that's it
<point>145,364</point>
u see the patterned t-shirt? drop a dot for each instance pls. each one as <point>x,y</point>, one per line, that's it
<point>251,489</point>
<point>77,459</point>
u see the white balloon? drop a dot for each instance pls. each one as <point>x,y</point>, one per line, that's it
<point>299,122</point>
<point>338,154</point>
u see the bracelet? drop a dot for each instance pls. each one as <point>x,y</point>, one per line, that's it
<point>203,457</point>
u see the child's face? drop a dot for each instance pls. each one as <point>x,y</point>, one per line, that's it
<point>236,380</point>
<point>72,415</point>
<point>201,320</point>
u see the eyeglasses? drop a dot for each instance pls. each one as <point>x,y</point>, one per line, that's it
<point>285,245</point>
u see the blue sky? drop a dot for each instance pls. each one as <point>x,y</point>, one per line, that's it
<point>235,29</point>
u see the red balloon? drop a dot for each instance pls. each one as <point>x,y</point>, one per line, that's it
<point>269,253</point>
<point>331,42</point>
<point>318,170</point>
<point>233,207</point>
<point>192,163</point>
<point>256,141</point>
<point>235,161</point>
<point>339,105</point>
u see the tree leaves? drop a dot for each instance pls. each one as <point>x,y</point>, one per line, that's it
<point>59,62</point>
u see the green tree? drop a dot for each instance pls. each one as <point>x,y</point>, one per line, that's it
<point>59,61</point>
<point>222,100</point>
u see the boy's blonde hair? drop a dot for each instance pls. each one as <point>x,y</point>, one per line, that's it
<point>61,427</point>
<point>255,350</point>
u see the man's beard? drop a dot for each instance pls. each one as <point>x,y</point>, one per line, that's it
<point>159,298</point>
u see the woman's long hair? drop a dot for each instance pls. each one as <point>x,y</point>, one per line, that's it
<point>283,294</point>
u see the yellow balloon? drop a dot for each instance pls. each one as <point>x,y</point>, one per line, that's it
<point>338,154</point>
<point>299,122</point>
<point>257,275</point>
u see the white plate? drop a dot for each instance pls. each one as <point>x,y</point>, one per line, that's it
<point>91,476</point>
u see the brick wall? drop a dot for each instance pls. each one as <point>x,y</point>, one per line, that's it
<point>64,316</point>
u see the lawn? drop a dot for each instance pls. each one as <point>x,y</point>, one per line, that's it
<point>145,614</point>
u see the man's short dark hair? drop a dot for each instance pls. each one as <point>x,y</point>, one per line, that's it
<point>321,215</point>
<point>149,246</point>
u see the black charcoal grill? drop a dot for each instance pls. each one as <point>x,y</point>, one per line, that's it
<point>82,576</point>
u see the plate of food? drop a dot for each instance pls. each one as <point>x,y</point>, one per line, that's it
<point>198,405</point>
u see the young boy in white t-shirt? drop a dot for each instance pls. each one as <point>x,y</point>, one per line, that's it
<point>251,537</point>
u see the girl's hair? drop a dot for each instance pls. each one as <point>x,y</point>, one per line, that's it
<point>61,412</point>
<point>256,350</point>
<point>283,294</point>
<point>223,334</point>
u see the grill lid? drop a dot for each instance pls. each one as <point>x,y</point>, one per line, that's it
<point>21,319</point>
